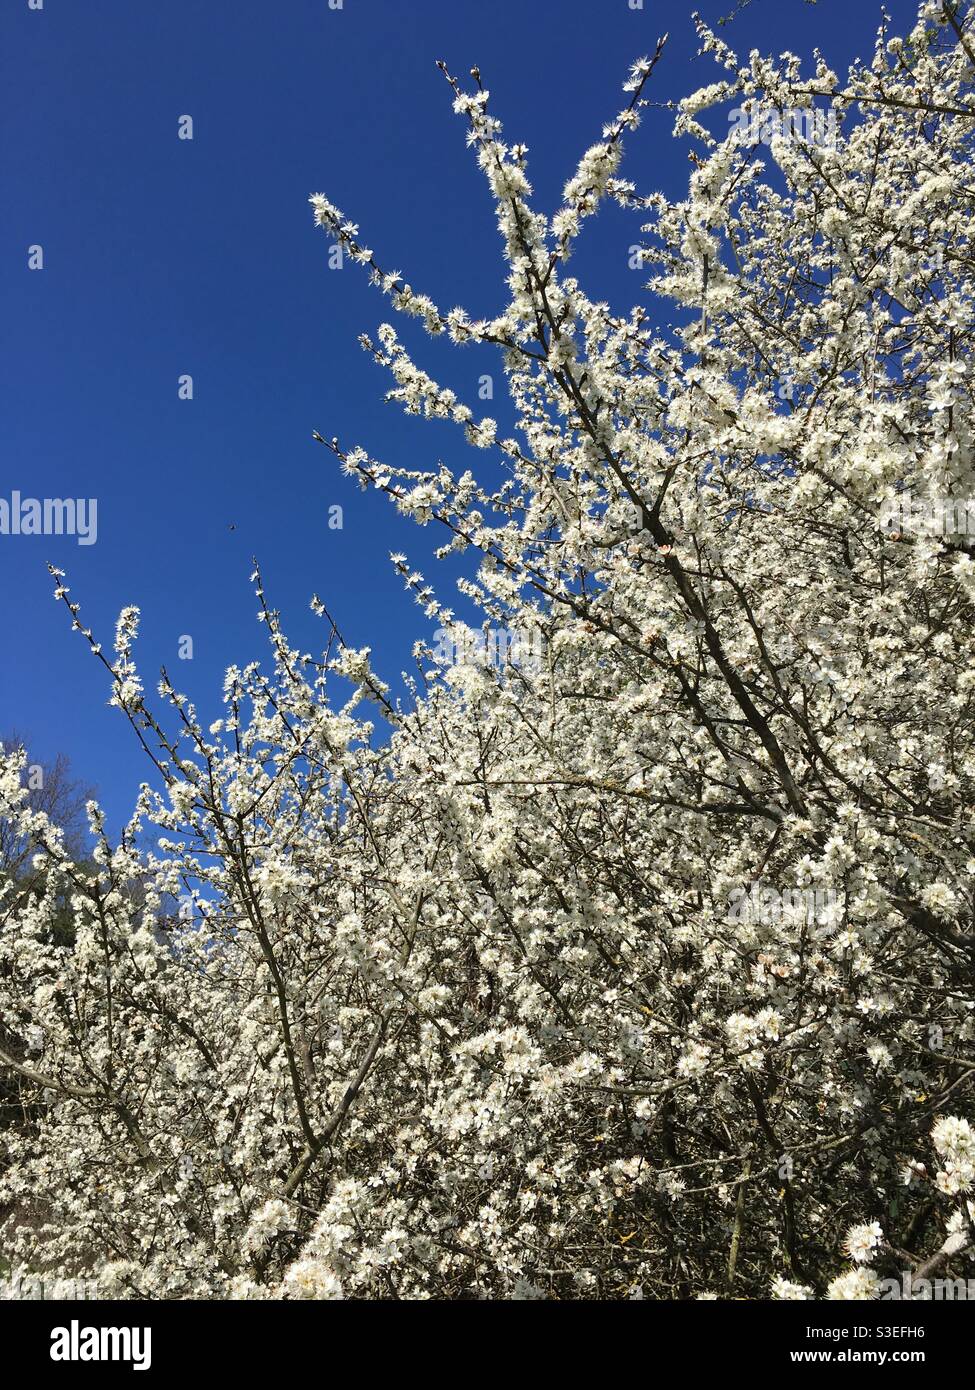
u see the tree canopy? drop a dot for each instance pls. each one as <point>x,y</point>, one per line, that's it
<point>637,960</point>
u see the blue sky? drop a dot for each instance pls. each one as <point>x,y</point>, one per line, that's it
<point>165,257</point>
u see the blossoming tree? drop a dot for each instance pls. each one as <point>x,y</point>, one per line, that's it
<point>460,1005</point>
